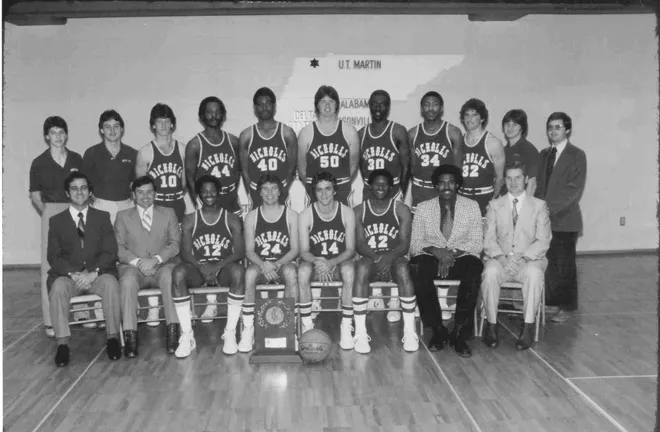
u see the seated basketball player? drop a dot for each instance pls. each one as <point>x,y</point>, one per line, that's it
<point>271,246</point>
<point>211,247</point>
<point>82,253</point>
<point>446,242</point>
<point>383,238</point>
<point>327,246</point>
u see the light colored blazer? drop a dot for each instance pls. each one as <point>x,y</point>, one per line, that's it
<point>135,241</point>
<point>532,234</point>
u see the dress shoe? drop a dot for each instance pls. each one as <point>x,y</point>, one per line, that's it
<point>491,337</point>
<point>172,337</point>
<point>113,349</point>
<point>130,343</point>
<point>526,336</point>
<point>459,342</point>
<point>562,316</point>
<point>62,355</point>
<point>439,339</point>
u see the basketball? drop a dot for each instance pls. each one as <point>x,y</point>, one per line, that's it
<point>314,346</point>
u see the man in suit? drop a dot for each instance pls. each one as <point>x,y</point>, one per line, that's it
<point>446,241</point>
<point>148,237</point>
<point>82,253</point>
<point>561,181</point>
<point>516,240</point>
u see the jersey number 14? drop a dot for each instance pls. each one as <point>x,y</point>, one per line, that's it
<point>333,249</point>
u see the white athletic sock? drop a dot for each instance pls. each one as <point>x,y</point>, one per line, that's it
<point>182,307</point>
<point>234,304</point>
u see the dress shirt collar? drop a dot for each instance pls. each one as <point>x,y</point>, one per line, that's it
<point>149,210</point>
<point>74,213</point>
<point>520,199</point>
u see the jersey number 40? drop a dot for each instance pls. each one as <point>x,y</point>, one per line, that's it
<point>271,165</point>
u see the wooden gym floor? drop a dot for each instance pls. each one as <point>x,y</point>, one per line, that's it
<point>596,372</point>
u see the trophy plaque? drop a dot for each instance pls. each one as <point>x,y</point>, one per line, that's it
<point>274,332</point>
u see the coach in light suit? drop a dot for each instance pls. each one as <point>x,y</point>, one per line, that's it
<point>148,237</point>
<point>516,240</point>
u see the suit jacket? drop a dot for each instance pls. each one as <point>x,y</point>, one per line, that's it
<point>532,234</point>
<point>66,254</point>
<point>134,241</point>
<point>565,187</point>
<point>466,233</point>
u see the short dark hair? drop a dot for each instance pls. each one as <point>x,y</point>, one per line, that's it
<point>161,110</point>
<point>519,117</point>
<point>434,94</point>
<point>269,178</point>
<point>565,118</point>
<point>206,101</point>
<point>141,181</point>
<point>447,169</point>
<point>75,175</point>
<point>515,163</point>
<point>479,106</point>
<point>322,92</point>
<point>264,91</point>
<point>381,172</point>
<point>207,178</point>
<point>324,176</point>
<point>108,115</point>
<point>55,121</point>
<point>381,93</point>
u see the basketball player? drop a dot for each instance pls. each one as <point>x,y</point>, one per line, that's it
<point>327,246</point>
<point>483,156</point>
<point>212,248</point>
<point>271,246</point>
<point>433,142</point>
<point>162,160</point>
<point>267,147</point>
<point>328,144</point>
<point>383,226</point>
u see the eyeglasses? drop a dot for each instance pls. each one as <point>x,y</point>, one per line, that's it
<point>555,127</point>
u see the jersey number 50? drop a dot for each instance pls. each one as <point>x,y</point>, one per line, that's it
<point>329,161</point>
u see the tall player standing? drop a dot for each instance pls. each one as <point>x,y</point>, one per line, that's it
<point>483,156</point>
<point>162,160</point>
<point>214,152</point>
<point>267,147</point>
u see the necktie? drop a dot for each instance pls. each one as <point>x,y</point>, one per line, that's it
<point>549,166</point>
<point>514,212</point>
<point>447,223</point>
<point>81,229</point>
<point>146,221</point>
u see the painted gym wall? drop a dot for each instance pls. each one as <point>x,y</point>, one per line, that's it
<point>601,70</point>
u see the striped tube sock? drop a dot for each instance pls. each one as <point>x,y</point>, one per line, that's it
<point>346,314</point>
<point>234,303</point>
<point>306,314</point>
<point>408,307</point>
<point>248,314</point>
<point>360,309</point>
<point>182,307</point>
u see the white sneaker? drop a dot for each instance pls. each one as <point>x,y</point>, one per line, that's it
<point>230,347</point>
<point>416,311</point>
<point>410,341</point>
<point>247,339</point>
<point>153,316</point>
<point>187,345</point>
<point>346,338</point>
<point>316,307</point>
<point>210,312</point>
<point>375,304</point>
<point>448,311</point>
<point>361,343</point>
<point>50,332</point>
<point>305,328</point>
<point>395,315</point>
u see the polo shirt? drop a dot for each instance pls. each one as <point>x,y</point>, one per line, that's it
<point>111,176</point>
<point>47,176</point>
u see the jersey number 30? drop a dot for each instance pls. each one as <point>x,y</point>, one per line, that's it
<point>375,164</point>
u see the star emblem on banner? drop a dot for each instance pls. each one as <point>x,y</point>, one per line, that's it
<point>314,63</point>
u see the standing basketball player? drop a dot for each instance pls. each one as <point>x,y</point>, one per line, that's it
<point>271,246</point>
<point>433,142</point>
<point>383,226</point>
<point>211,247</point>
<point>327,246</point>
<point>328,144</point>
<point>214,152</point>
<point>267,147</point>
<point>483,156</point>
<point>162,160</point>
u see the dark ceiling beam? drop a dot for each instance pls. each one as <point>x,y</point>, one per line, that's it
<point>57,12</point>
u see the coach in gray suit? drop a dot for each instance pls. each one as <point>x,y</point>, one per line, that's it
<point>516,240</point>
<point>148,237</point>
<point>561,181</point>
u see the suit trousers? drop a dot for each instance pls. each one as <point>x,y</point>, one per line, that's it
<point>531,275</point>
<point>561,287</point>
<point>467,269</point>
<point>50,209</point>
<point>63,288</point>
<point>131,280</point>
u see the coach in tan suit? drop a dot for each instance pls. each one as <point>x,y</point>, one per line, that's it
<point>517,237</point>
<point>148,237</point>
